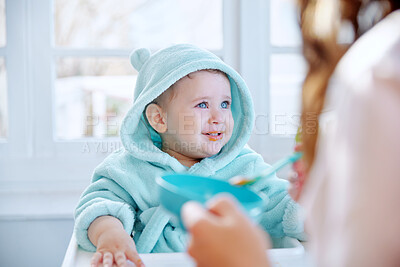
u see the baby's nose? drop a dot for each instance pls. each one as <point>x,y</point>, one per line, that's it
<point>216,117</point>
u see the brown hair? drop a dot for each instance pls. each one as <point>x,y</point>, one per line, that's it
<point>320,25</point>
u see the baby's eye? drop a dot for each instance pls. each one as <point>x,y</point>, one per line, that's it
<point>202,105</point>
<point>225,104</point>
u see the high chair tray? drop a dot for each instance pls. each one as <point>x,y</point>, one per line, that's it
<point>293,255</point>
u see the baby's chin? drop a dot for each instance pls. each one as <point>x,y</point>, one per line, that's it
<point>209,151</point>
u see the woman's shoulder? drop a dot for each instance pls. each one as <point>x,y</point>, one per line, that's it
<point>377,52</point>
<point>370,68</point>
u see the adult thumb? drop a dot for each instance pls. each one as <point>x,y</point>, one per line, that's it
<point>224,205</point>
<point>192,212</point>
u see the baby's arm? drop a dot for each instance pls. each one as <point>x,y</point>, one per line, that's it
<point>104,219</point>
<point>282,216</point>
<point>114,245</point>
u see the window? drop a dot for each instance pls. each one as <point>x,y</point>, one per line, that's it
<point>287,68</point>
<point>3,100</point>
<point>273,66</point>
<point>3,74</point>
<point>2,23</point>
<point>66,83</point>
<point>92,93</point>
<point>287,72</point>
<point>141,23</point>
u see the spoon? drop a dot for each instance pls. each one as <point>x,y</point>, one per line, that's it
<point>240,180</point>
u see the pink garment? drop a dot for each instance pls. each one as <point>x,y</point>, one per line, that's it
<point>352,199</point>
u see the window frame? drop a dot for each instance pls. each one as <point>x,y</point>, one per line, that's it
<point>255,53</point>
<point>33,165</point>
<point>32,162</point>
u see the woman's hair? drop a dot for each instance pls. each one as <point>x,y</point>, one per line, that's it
<point>321,22</point>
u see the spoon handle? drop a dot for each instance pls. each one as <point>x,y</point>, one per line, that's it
<point>265,173</point>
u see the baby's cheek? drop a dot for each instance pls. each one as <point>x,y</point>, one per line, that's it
<point>230,124</point>
<point>188,123</point>
<point>228,130</point>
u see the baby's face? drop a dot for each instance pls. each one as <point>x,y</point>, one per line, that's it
<point>199,116</point>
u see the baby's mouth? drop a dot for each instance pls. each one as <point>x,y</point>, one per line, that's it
<point>214,136</point>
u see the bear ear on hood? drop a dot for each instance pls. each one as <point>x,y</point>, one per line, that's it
<point>139,57</point>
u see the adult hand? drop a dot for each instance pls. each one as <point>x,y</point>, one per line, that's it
<point>297,177</point>
<point>223,235</point>
<point>114,245</point>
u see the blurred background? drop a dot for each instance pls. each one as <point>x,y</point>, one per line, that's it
<point>66,84</point>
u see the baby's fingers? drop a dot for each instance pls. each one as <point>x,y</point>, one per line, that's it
<point>108,259</point>
<point>133,256</point>
<point>96,259</point>
<point>120,259</point>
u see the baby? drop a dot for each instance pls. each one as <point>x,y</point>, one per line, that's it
<point>191,113</point>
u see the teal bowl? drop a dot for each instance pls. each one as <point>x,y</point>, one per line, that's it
<point>176,189</point>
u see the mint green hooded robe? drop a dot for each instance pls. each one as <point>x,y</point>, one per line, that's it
<point>123,185</point>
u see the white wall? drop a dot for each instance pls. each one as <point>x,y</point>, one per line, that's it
<point>34,242</point>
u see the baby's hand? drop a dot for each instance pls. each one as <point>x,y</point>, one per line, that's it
<point>297,177</point>
<point>116,246</point>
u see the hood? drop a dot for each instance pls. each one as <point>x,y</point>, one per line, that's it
<point>156,73</point>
